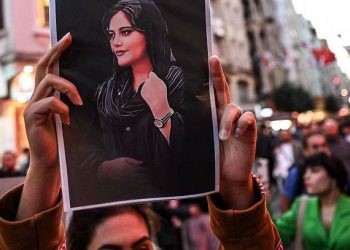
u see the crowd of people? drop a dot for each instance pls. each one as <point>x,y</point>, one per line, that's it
<point>309,182</point>
<point>13,166</point>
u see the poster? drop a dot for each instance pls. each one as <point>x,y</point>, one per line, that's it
<point>147,127</point>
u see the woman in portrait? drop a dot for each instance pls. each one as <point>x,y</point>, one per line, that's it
<point>140,104</point>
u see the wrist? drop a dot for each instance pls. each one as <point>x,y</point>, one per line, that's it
<point>237,195</point>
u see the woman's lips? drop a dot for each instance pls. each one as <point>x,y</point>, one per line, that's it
<point>120,52</point>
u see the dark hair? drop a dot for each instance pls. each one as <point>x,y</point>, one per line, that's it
<point>334,167</point>
<point>306,138</point>
<point>145,17</point>
<point>84,222</point>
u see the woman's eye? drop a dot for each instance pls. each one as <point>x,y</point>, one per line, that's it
<point>126,32</point>
<point>111,36</point>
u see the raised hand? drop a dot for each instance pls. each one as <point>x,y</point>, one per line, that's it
<point>237,133</point>
<point>42,184</point>
<point>154,92</point>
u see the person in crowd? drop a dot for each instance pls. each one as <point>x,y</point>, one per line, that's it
<point>30,215</point>
<point>23,161</point>
<point>287,153</point>
<point>264,148</point>
<point>103,228</point>
<point>293,186</point>
<point>196,231</point>
<point>345,129</point>
<point>337,144</point>
<point>326,213</point>
<point>8,165</point>
<point>172,214</point>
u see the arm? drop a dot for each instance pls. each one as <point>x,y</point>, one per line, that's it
<point>35,213</point>
<point>238,214</point>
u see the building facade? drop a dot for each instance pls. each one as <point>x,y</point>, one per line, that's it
<point>26,39</point>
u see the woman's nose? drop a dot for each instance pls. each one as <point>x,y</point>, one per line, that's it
<point>116,41</point>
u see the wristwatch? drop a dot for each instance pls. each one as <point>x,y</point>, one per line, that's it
<point>159,123</point>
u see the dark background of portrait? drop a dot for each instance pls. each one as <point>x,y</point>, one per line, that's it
<point>88,62</point>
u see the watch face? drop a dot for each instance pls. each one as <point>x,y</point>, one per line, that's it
<point>158,123</point>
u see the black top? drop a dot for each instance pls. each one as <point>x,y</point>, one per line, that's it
<point>130,132</point>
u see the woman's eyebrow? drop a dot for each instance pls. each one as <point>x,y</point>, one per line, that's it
<point>110,247</point>
<point>117,247</point>
<point>140,241</point>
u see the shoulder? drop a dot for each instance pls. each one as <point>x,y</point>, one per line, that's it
<point>174,79</point>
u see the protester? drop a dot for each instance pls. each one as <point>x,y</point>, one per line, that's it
<point>325,215</point>
<point>338,145</point>
<point>293,186</point>
<point>8,165</point>
<point>289,152</point>
<point>31,214</point>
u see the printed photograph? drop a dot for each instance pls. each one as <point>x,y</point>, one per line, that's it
<point>145,131</point>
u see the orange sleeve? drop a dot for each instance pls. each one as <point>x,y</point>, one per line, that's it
<point>42,231</point>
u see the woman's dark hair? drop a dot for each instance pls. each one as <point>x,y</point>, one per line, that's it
<point>84,223</point>
<point>145,17</point>
<point>334,167</point>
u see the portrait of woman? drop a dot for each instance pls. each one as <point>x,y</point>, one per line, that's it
<point>140,104</point>
<point>145,129</point>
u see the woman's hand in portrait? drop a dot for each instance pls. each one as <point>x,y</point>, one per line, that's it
<point>237,133</point>
<point>118,167</point>
<point>42,184</point>
<point>154,92</point>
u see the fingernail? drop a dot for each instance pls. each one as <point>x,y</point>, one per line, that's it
<point>223,135</point>
<point>78,100</point>
<point>238,132</point>
<point>65,120</point>
<point>64,37</point>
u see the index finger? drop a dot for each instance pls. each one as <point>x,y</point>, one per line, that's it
<point>222,93</point>
<point>47,62</point>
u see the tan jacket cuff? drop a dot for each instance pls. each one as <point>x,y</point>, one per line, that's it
<point>42,231</point>
<point>234,224</point>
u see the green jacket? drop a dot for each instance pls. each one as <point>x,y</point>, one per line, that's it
<point>314,234</point>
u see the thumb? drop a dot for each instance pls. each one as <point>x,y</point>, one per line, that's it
<point>152,75</point>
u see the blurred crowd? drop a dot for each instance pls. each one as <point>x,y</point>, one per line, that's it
<point>280,155</point>
<point>13,165</point>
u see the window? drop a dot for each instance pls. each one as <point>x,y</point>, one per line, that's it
<point>43,12</point>
<point>2,24</point>
<point>243,91</point>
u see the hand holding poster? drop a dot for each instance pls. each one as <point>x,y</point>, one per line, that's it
<point>145,131</point>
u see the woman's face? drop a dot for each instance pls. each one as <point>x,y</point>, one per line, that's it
<point>317,181</point>
<point>126,231</point>
<point>127,44</point>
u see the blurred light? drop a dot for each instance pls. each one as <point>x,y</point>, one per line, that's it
<point>28,69</point>
<point>266,112</point>
<point>319,116</point>
<point>22,86</point>
<point>305,118</point>
<point>280,124</point>
<point>344,92</point>
<point>349,100</point>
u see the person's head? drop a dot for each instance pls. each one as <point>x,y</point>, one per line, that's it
<point>121,227</point>
<point>285,136</point>
<point>323,174</point>
<point>330,128</point>
<point>8,161</point>
<point>346,127</point>
<point>136,29</point>
<point>314,143</point>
